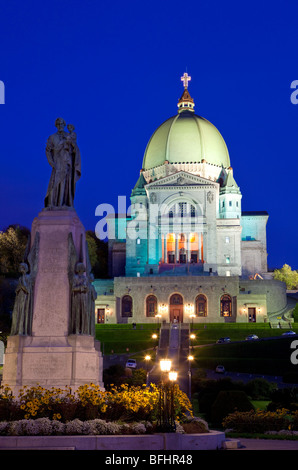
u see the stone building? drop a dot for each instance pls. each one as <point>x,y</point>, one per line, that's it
<point>187,252</point>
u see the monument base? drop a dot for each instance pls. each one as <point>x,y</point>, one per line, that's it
<point>57,361</point>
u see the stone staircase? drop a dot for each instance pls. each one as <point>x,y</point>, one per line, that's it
<point>181,269</point>
<point>173,345</point>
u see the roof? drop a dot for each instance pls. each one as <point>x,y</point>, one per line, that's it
<point>254,213</point>
<point>186,138</point>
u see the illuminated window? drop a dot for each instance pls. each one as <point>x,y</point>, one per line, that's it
<point>228,260</point>
<point>176,299</point>
<point>151,306</point>
<point>226,306</point>
<point>201,306</point>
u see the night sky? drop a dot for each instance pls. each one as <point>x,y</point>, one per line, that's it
<point>113,68</point>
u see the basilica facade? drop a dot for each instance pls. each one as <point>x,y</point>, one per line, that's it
<point>187,252</point>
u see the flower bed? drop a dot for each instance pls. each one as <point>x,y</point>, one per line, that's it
<point>90,411</point>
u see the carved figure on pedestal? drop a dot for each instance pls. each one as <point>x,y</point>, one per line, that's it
<point>79,302</point>
<point>83,294</point>
<point>64,157</point>
<point>23,306</point>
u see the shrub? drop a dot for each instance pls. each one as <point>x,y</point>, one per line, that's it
<point>227,402</point>
<point>257,421</point>
<point>284,398</point>
<point>260,389</point>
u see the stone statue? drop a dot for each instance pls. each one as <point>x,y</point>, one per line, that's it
<point>23,306</point>
<point>83,294</point>
<point>91,307</point>
<point>79,301</point>
<point>64,157</point>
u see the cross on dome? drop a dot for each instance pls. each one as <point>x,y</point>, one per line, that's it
<point>186,102</point>
<point>185,79</point>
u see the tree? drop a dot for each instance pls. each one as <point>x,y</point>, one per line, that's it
<point>13,242</point>
<point>98,254</point>
<point>285,274</point>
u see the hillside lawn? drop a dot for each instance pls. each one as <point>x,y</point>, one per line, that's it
<point>265,356</point>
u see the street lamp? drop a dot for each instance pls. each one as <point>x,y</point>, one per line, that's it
<point>147,359</point>
<point>154,337</point>
<point>165,365</point>
<point>158,316</point>
<point>192,316</point>
<point>166,397</point>
<point>190,359</point>
<point>173,378</point>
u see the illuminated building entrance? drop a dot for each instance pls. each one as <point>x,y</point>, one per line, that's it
<point>183,248</point>
<point>176,308</point>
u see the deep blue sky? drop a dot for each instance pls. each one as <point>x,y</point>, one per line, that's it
<point>113,68</point>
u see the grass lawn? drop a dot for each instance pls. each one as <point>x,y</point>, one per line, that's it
<point>210,332</point>
<point>122,338</point>
<point>268,357</point>
<point>260,404</point>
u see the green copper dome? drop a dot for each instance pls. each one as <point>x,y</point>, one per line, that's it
<point>186,138</point>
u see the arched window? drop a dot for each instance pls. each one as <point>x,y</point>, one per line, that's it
<point>226,306</point>
<point>201,306</point>
<point>176,299</point>
<point>126,306</point>
<point>151,306</point>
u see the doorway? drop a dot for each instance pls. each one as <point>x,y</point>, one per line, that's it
<point>100,315</point>
<point>176,308</point>
<point>251,314</point>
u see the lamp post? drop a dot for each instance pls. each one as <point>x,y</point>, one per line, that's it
<point>173,378</point>
<point>147,359</point>
<point>155,337</point>
<point>158,316</point>
<point>190,359</point>
<point>165,414</point>
<point>192,316</point>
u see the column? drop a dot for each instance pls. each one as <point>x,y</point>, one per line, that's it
<point>176,248</point>
<point>165,254</point>
<point>188,247</point>
<point>199,247</point>
<point>202,247</point>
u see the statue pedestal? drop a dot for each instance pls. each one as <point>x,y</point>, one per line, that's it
<point>51,356</point>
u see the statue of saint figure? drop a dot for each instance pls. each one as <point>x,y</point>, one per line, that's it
<point>83,293</point>
<point>91,308</point>
<point>22,311</point>
<point>80,302</point>
<point>64,157</point>
<point>23,306</point>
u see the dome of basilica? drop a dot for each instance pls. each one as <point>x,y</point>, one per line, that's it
<point>186,138</point>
